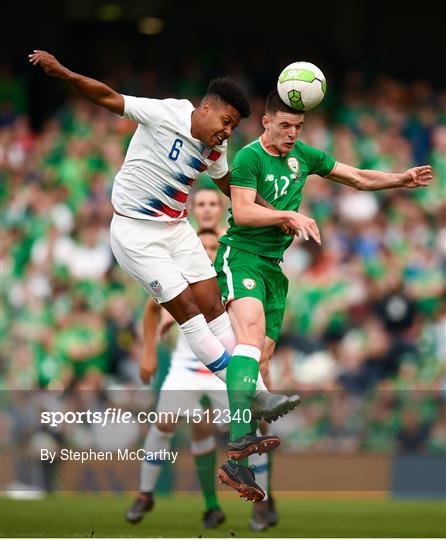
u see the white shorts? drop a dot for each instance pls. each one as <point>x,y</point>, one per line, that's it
<point>183,389</point>
<point>163,256</point>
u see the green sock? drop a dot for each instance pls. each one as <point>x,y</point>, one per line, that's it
<point>205,466</point>
<point>241,381</point>
<point>254,426</point>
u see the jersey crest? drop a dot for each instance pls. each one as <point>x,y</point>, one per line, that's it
<point>293,164</point>
<point>249,284</point>
<point>156,287</point>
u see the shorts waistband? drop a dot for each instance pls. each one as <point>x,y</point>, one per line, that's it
<point>272,260</point>
<point>142,220</point>
<point>128,217</point>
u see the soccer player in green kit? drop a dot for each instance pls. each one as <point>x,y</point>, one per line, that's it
<point>254,288</point>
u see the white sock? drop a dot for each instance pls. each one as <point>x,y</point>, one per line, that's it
<point>261,385</point>
<point>155,441</point>
<point>261,463</point>
<point>199,448</point>
<point>247,350</point>
<point>222,329</point>
<point>206,346</point>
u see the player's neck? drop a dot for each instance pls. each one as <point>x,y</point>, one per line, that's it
<point>268,146</point>
<point>193,127</point>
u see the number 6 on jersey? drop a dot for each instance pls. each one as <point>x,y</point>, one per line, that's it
<point>175,150</point>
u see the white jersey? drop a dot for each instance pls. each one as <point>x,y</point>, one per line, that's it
<point>184,357</point>
<point>163,160</point>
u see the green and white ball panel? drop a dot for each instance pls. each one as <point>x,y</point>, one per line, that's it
<point>302,86</point>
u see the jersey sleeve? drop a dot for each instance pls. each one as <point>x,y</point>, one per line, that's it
<point>245,170</point>
<point>318,161</point>
<point>143,110</point>
<point>219,167</point>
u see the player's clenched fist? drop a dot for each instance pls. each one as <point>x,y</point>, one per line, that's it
<point>49,63</point>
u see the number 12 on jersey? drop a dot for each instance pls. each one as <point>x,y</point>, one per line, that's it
<point>175,150</point>
<point>283,191</point>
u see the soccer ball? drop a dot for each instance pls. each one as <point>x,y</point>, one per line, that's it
<point>302,86</point>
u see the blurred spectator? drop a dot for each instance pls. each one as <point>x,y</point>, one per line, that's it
<point>413,434</point>
<point>341,433</point>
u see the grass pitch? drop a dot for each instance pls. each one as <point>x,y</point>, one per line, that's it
<point>102,515</point>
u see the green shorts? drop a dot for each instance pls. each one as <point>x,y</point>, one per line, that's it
<point>241,274</point>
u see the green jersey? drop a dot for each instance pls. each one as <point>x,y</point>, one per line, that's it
<point>279,180</point>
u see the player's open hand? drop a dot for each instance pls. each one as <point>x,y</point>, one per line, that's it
<point>417,176</point>
<point>306,226</point>
<point>50,65</point>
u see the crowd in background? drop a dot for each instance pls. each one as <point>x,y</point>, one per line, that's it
<point>364,333</point>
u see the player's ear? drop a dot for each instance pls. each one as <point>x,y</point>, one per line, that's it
<point>265,121</point>
<point>205,106</point>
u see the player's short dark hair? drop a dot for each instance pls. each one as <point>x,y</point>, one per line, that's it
<point>275,104</point>
<point>208,230</point>
<point>230,92</point>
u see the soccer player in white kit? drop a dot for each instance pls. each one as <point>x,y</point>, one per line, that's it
<point>150,235</point>
<point>183,389</point>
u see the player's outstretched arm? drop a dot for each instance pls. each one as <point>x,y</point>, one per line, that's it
<point>371,180</point>
<point>93,90</point>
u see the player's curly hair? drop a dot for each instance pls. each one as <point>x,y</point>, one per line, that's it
<point>275,104</point>
<point>230,92</point>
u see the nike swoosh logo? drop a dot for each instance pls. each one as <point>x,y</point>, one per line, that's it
<point>231,469</point>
